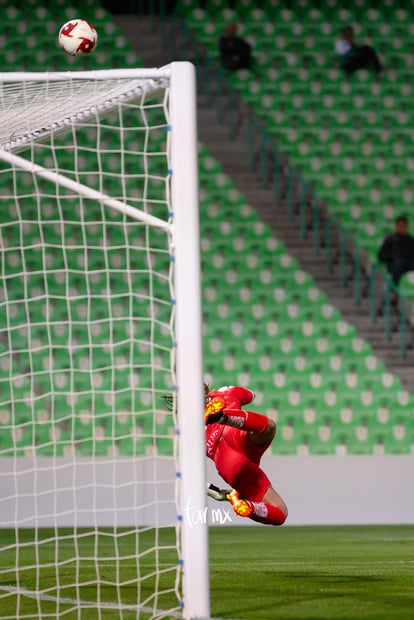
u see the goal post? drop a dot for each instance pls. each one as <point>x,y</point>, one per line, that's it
<point>101,316</point>
<point>190,394</point>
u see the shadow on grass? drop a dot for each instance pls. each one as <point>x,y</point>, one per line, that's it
<point>334,579</point>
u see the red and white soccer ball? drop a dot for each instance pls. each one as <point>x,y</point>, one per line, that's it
<point>78,37</point>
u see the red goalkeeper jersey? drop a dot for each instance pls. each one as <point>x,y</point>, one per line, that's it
<point>235,397</point>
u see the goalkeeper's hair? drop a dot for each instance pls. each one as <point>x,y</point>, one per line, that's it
<point>170,400</point>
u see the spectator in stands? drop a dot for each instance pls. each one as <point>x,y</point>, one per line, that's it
<point>397,250</point>
<point>353,56</point>
<point>235,52</point>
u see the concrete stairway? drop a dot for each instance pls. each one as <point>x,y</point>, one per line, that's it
<point>154,44</point>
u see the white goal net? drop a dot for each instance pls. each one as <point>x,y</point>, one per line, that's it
<point>100,318</point>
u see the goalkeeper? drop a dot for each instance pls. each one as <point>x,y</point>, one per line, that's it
<point>236,441</point>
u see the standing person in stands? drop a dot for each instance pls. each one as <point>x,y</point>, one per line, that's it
<point>236,440</point>
<point>397,250</point>
<point>353,56</point>
<point>235,52</point>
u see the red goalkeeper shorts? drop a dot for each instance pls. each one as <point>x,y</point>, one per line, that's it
<point>237,461</point>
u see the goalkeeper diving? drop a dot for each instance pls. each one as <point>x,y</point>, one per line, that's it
<point>236,440</point>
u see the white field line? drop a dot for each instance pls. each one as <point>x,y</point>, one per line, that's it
<point>326,563</point>
<point>103,563</point>
<point>80,603</point>
<point>102,605</point>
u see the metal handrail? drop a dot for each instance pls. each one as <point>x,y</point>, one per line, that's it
<point>300,198</point>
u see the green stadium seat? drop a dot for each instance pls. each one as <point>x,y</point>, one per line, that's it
<point>185,7</point>
<point>375,105</point>
<point>270,326</point>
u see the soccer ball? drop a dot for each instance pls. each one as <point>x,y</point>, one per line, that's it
<point>78,37</point>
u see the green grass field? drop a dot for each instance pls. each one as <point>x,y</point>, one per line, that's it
<point>313,572</point>
<point>256,573</point>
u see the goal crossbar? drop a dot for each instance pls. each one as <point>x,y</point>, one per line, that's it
<point>101,74</point>
<point>23,111</point>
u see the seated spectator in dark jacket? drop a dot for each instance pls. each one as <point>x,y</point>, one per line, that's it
<point>235,52</point>
<point>353,56</point>
<point>397,250</point>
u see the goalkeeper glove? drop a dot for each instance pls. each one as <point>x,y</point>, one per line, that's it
<point>213,411</point>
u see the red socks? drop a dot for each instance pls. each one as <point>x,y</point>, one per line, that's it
<point>256,423</point>
<point>266,513</point>
<point>246,420</point>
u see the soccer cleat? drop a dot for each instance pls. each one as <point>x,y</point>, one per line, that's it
<point>240,506</point>
<point>220,495</point>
